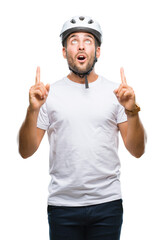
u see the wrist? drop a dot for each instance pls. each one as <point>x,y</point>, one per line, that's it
<point>133,112</point>
<point>32,110</point>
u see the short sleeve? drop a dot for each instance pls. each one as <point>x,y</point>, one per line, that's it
<point>121,115</point>
<point>43,120</point>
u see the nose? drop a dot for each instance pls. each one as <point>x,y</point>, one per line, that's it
<point>81,45</point>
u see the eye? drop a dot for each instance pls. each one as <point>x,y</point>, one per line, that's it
<point>74,41</point>
<point>88,41</point>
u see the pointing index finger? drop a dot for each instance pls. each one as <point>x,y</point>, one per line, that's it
<point>123,78</point>
<point>37,79</point>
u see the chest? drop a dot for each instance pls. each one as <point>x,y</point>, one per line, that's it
<point>83,107</point>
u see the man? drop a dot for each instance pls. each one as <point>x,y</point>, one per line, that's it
<point>83,114</point>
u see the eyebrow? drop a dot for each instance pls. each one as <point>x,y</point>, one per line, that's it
<point>75,35</point>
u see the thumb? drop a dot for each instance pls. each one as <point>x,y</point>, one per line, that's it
<point>47,87</point>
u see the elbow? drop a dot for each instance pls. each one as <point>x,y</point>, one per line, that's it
<point>138,153</point>
<point>141,148</point>
<point>26,151</point>
<point>22,154</point>
<point>20,151</point>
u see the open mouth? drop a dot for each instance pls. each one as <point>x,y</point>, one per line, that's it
<point>81,58</point>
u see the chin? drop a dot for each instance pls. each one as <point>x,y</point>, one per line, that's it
<point>80,70</point>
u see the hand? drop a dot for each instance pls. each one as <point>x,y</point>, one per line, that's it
<point>125,93</point>
<point>38,93</point>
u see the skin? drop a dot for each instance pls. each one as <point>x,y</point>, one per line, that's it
<point>78,43</point>
<point>73,41</point>
<point>132,131</point>
<point>29,135</point>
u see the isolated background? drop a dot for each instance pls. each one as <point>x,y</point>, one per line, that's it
<point>132,38</point>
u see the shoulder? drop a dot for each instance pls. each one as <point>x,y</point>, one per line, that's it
<point>106,83</point>
<point>58,85</point>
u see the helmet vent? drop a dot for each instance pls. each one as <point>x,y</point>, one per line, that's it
<point>81,18</point>
<point>90,21</point>
<point>73,21</point>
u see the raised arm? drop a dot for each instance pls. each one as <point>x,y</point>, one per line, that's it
<point>132,131</point>
<point>29,135</point>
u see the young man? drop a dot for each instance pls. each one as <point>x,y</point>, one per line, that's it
<point>83,114</point>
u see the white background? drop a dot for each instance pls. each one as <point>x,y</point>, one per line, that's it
<point>132,38</point>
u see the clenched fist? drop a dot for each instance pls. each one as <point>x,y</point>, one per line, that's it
<point>38,93</point>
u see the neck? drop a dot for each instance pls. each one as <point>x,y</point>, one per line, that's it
<point>75,78</point>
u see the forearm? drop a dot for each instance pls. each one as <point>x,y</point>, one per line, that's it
<point>28,134</point>
<point>136,136</point>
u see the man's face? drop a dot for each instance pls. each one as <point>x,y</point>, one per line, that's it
<point>80,51</point>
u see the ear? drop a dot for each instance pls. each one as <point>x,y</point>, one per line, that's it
<point>64,52</point>
<point>98,52</point>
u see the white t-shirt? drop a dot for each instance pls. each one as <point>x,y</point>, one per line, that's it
<point>83,135</point>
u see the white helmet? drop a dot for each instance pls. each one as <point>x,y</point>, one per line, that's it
<point>81,23</point>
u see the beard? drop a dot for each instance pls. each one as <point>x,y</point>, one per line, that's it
<point>80,68</point>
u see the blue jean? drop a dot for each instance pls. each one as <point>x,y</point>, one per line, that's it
<point>95,222</point>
